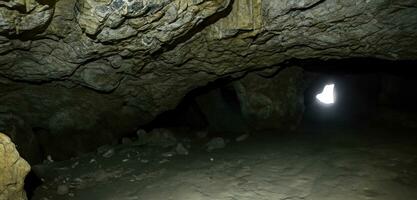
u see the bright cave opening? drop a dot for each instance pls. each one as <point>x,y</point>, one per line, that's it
<point>327,96</point>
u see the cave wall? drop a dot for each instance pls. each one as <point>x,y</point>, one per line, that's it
<point>102,68</point>
<point>272,99</point>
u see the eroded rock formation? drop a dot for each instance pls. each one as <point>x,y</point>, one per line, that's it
<point>13,170</point>
<point>86,70</point>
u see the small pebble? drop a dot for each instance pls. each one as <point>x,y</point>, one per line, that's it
<point>140,133</point>
<point>168,154</point>
<point>163,161</point>
<point>242,137</point>
<point>62,190</point>
<point>75,165</point>
<point>109,153</point>
<point>181,150</point>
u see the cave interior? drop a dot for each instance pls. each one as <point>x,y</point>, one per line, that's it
<point>363,146</point>
<point>208,100</point>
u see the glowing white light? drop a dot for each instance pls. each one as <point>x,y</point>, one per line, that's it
<point>327,96</point>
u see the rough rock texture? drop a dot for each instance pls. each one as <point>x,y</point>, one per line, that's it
<point>272,99</point>
<point>13,170</point>
<point>70,66</point>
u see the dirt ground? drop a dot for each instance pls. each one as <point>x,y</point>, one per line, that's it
<point>336,164</point>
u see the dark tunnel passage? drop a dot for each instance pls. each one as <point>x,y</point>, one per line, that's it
<point>364,93</point>
<point>364,90</point>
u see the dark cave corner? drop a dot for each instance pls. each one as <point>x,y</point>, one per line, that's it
<point>32,181</point>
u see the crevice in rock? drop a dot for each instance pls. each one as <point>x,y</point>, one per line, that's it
<point>313,5</point>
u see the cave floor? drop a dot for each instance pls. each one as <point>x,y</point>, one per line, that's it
<point>313,165</point>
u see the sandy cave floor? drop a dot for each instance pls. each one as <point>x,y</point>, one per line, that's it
<point>336,164</point>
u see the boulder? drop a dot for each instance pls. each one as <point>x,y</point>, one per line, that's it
<point>13,170</point>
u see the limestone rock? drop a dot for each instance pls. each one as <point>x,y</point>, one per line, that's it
<point>62,189</point>
<point>13,170</point>
<point>21,17</point>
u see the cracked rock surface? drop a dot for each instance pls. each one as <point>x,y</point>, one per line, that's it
<point>13,170</point>
<point>87,67</point>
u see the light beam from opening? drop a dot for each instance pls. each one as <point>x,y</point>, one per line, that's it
<point>327,95</point>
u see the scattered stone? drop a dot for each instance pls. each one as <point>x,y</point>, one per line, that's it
<point>78,180</point>
<point>167,154</point>
<point>75,164</point>
<point>71,194</point>
<point>125,160</point>
<point>211,159</point>
<point>216,143</point>
<point>106,151</point>
<point>109,153</point>
<point>13,170</point>
<point>181,150</point>
<point>92,160</point>
<point>242,137</point>
<point>163,161</point>
<point>103,149</point>
<point>144,161</point>
<point>140,133</point>
<point>158,137</point>
<point>49,159</point>
<point>126,141</point>
<point>62,190</point>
